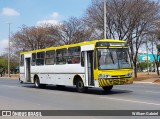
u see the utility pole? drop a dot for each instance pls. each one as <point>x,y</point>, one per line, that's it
<point>9,50</point>
<point>147,58</point>
<point>105,19</point>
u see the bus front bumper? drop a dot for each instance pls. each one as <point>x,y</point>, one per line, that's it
<point>118,81</point>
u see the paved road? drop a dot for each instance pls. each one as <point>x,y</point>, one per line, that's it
<point>15,96</point>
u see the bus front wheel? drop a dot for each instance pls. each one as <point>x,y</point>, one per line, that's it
<point>80,86</point>
<point>20,80</point>
<point>107,88</point>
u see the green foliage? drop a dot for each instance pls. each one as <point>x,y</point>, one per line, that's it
<point>158,48</point>
<point>143,65</point>
<point>4,64</point>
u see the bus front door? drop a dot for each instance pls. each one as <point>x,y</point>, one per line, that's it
<point>89,67</point>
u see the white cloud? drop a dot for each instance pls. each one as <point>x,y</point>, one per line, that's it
<point>55,15</point>
<point>10,12</point>
<point>52,19</point>
<point>3,44</point>
<point>54,22</point>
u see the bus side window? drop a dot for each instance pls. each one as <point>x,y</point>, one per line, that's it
<point>22,60</point>
<point>40,58</point>
<point>82,58</point>
<point>61,56</point>
<point>73,55</point>
<point>33,59</point>
<point>50,57</point>
<point>95,60</point>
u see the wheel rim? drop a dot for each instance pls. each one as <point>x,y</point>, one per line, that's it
<point>80,84</point>
<point>37,83</point>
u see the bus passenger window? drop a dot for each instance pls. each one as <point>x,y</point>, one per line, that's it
<point>61,56</point>
<point>50,57</point>
<point>40,58</point>
<point>82,59</point>
<point>22,60</point>
<point>73,55</point>
<point>75,60</point>
<point>33,59</point>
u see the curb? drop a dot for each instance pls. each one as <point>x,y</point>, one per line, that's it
<point>8,78</point>
<point>143,82</point>
<point>136,82</point>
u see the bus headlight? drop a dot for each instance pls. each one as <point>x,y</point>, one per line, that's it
<point>129,75</point>
<point>104,76</point>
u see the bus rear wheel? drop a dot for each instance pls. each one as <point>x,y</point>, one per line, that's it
<point>37,83</point>
<point>80,86</point>
<point>107,88</point>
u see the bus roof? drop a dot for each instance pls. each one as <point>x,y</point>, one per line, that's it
<point>74,45</point>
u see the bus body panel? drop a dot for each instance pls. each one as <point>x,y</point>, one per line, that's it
<point>87,47</point>
<point>57,74</point>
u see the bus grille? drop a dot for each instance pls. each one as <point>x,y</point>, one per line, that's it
<point>110,82</point>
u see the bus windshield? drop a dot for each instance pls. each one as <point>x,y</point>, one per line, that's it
<point>115,58</point>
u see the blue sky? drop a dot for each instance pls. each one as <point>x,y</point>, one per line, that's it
<point>34,12</point>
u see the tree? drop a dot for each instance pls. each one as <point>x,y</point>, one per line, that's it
<point>130,20</point>
<point>74,30</point>
<point>32,38</point>
<point>153,47</point>
<point>142,65</point>
<point>4,64</point>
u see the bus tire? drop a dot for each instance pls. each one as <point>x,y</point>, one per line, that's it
<point>20,81</point>
<point>80,86</point>
<point>38,84</point>
<point>107,88</point>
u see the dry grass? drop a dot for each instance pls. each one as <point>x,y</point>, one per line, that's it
<point>146,75</point>
<point>149,77</point>
<point>13,76</point>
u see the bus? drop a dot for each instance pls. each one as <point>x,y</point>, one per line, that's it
<point>97,63</point>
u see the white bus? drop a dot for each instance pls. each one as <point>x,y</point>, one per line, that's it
<point>98,63</point>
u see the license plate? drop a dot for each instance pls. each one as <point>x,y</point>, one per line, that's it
<point>119,81</point>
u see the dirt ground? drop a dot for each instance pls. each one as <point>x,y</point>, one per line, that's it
<point>13,76</point>
<point>148,77</point>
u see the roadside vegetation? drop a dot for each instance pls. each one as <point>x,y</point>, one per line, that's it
<point>4,66</point>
